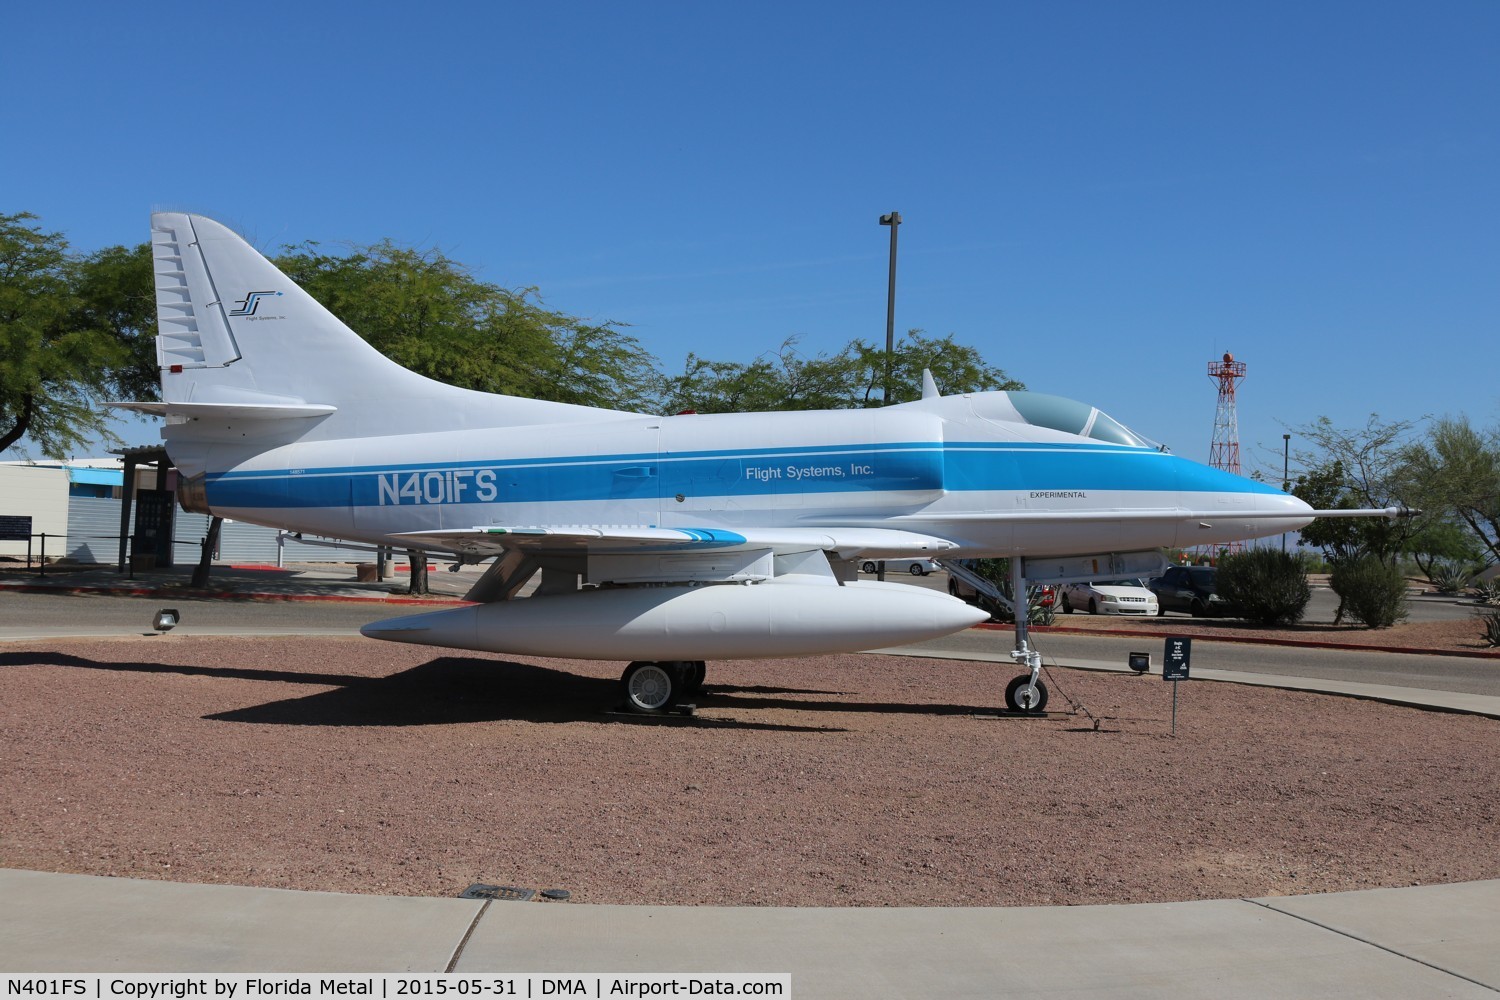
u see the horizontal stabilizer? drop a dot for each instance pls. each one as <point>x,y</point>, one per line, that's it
<point>236,411</point>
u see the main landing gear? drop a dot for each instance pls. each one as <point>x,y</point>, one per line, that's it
<point>655,686</point>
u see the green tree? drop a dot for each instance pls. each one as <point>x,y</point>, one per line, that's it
<point>56,361</point>
<point>787,379</point>
<point>956,368</point>
<point>784,379</point>
<point>1456,472</point>
<point>1440,541</point>
<point>1351,469</point>
<point>116,294</point>
<point>429,313</point>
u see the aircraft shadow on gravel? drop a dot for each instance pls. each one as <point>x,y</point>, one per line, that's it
<point>442,691</point>
<point>456,689</point>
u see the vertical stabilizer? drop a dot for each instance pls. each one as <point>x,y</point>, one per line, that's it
<point>239,340</point>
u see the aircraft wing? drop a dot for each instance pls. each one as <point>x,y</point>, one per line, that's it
<point>846,542</point>
<point>1168,514</point>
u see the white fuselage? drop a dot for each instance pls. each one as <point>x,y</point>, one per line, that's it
<point>950,468</point>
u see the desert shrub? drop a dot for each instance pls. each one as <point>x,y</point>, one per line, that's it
<point>1450,577</point>
<point>1267,585</point>
<point>1370,592</point>
<point>1491,622</point>
<point>1488,592</point>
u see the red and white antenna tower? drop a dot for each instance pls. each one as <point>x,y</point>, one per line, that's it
<point>1224,452</point>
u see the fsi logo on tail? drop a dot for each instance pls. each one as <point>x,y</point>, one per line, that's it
<point>248,305</point>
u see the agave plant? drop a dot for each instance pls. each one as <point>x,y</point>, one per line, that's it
<point>1489,591</point>
<point>1491,622</point>
<point>1450,577</point>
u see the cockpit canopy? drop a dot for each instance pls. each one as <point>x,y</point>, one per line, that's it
<point>1073,417</point>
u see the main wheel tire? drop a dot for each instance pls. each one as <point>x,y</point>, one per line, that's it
<point>1067,605</point>
<point>1030,704</point>
<point>651,687</point>
<point>1093,606</point>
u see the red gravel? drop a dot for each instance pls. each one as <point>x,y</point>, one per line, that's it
<point>349,765</point>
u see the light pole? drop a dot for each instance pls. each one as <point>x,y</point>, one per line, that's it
<point>1286,481</point>
<point>892,219</point>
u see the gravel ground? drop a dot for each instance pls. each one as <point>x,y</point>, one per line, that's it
<point>348,765</point>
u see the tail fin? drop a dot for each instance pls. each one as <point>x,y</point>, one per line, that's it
<point>239,339</point>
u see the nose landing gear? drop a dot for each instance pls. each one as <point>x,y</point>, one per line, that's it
<point>1025,694</point>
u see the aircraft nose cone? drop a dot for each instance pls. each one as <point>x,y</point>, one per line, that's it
<point>1302,508</point>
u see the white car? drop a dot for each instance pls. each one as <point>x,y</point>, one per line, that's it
<point>1109,597</point>
<point>916,567</point>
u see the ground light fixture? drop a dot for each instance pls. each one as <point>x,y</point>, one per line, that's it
<point>1140,662</point>
<point>166,619</point>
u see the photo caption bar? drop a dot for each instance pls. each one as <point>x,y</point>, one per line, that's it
<point>241,986</point>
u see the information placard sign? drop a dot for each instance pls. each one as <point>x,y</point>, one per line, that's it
<point>1174,664</point>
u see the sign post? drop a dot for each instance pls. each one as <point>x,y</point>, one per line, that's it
<point>1174,668</point>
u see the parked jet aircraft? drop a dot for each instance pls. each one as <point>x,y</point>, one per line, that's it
<point>666,541</point>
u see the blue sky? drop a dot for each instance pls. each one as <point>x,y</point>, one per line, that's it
<point>1101,197</point>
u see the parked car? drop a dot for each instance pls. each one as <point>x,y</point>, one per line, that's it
<point>1192,589</point>
<point>916,567</point>
<point>1110,597</point>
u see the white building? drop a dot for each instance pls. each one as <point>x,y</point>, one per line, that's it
<point>77,505</point>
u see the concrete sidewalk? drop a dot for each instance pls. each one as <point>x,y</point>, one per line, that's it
<point>1428,941</point>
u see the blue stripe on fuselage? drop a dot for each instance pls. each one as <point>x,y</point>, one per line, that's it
<point>917,466</point>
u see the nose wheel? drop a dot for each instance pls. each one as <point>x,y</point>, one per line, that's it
<point>1027,696</point>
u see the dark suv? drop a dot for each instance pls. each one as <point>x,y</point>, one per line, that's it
<point>1190,589</point>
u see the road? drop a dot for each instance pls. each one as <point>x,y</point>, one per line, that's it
<point>45,615</point>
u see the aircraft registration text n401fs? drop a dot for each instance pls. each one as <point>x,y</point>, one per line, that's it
<point>438,486</point>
